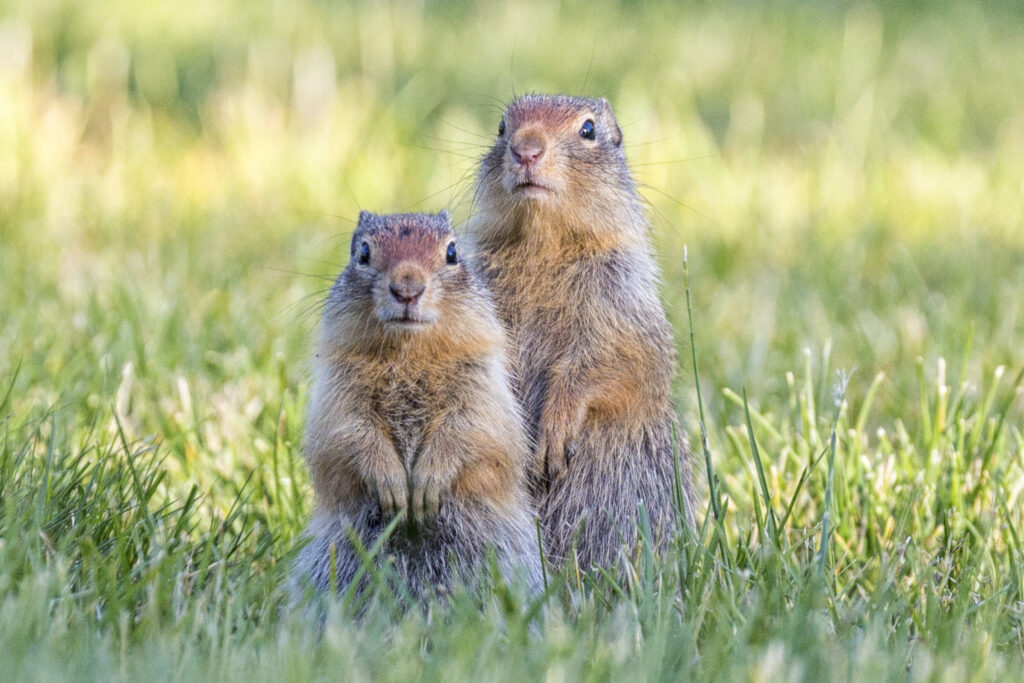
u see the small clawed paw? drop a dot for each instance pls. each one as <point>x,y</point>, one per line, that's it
<point>392,495</point>
<point>553,448</point>
<point>426,497</point>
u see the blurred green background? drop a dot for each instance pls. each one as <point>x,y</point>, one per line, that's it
<point>178,182</point>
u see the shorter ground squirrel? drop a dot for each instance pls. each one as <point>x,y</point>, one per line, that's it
<point>412,414</point>
<point>563,245</point>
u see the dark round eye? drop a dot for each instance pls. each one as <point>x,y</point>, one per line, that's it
<point>364,253</point>
<point>501,127</point>
<point>452,255</point>
<point>587,131</point>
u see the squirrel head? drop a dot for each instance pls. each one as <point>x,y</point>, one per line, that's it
<point>558,165</point>
<point>403,269</point>
<point>407,289</point>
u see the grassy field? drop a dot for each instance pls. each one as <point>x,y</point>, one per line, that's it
<point>177,183</point>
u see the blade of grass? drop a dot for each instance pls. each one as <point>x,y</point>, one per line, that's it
<point>826,515</point>
<point>705,445</point>
<point>772,528</point>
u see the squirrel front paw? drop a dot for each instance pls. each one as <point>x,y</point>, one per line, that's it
<point>392,493</point>
<point>428,491</point>
<point>553,449</point>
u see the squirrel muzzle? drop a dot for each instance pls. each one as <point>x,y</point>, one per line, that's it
<point>405,298</point>
<point>527,147</point>
<point>407,283</point>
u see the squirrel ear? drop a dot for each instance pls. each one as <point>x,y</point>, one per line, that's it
<point>445,217</point>
<point>616,133</point>
<point>364,217</point>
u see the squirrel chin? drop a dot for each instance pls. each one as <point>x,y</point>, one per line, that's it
<point>408,324</point>
<point>409,317</point>
<point>530,185</point>
<point>532,191</point>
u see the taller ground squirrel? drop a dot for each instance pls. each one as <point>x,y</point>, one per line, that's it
<point>563,245</point>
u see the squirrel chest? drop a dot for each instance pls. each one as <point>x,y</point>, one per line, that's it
<point>407,398</point>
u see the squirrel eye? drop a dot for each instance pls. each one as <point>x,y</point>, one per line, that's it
<point>501,127</point>
<point>364,253</point>
<point>452,255</point>
<point>587,132</point>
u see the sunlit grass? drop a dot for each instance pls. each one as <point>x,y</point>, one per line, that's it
<point>176,188</point>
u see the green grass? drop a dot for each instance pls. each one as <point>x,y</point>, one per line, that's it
<point>176,183</point>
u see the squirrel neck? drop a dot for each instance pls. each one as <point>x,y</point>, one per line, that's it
<point>553,231</point>
<point>362,337</point>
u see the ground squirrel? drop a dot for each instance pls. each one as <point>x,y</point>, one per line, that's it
<point>562,242</point>
<point>412,413</point>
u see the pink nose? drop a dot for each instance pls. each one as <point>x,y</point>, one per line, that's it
<point>407,292</point>
<point>527,152</point>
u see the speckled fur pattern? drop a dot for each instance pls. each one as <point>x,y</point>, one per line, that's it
<point>412,414</point>
<point>429,562</point>
<point>563,246</point>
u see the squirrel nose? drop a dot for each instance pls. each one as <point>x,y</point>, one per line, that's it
<point>527,151</point>
<point>407,292</point>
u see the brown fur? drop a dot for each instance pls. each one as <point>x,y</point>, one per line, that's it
<point>412,414</point>
<point>563,245</point>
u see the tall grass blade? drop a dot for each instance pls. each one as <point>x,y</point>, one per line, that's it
<point>705,445</point>
<point>826,516</point>
<point>772,528</point>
